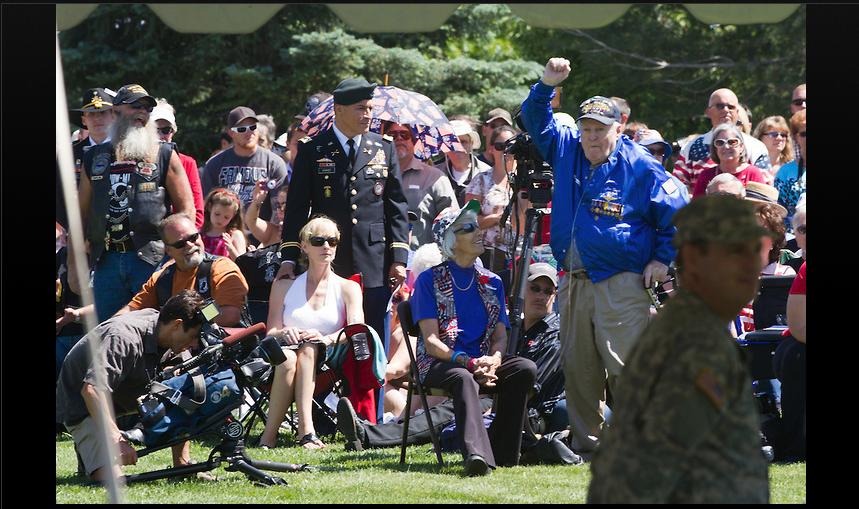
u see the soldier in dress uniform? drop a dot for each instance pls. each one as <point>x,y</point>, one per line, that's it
<point>361,192</point>
<point>95,115</point>
<point>685,426</point>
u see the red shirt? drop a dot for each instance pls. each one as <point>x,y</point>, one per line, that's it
<point>798,288</point>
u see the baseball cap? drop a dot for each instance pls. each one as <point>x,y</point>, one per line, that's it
<point>717,218</point>
<point>353,90</point>
<point>94,99</point>
<point>130,93</point>
<point>599,108</point>
<point>449,216</point>
<point>499,113</point>
<point>649,137</point>
<point>239,114</point>
<point>541,269</point>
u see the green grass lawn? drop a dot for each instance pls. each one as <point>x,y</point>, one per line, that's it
<point>371,476</point>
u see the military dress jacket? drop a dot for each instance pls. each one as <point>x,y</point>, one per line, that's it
<point>366,201</point>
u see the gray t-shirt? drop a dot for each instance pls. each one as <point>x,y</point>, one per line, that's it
<point>240,174</point>
<point>128,351</point>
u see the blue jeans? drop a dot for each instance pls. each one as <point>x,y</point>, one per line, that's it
<point>117,278</point>
<point>64,345</point>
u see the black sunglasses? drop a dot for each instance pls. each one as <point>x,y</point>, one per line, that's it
<point>165,130</point>
<point>469,228</point>
<point>318,241</point>
<point>798,102</point>
<point>181,243</point>
<point>547,291</point>
<point>138,105</point>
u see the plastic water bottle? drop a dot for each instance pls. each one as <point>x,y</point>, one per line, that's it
<point>362,349</point>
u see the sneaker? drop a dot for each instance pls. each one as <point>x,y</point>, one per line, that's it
<point>350,426</point>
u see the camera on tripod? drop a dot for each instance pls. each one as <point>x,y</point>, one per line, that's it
<point>212,380</point>
<point>533,174</point>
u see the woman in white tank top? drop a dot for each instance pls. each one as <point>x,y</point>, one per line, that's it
<point>307,313</point>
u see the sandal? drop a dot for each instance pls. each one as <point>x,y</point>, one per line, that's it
<point>310,438</point>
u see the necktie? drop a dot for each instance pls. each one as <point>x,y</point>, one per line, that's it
<point>351,144</point>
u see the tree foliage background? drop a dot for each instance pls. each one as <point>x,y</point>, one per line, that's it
<point>657,56</point>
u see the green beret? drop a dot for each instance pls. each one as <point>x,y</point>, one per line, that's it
<point>353,90</point>
<point>717,218</point>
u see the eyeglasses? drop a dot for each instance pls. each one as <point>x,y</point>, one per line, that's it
<point>318,241</point>
<point>657,151</point>
<point>800,229</point>
<point>802,134</point>
<point>798,102</point>
<point>139,105</point>
<point>775,135</point>
<point>165,130</point>
<point>499,146</point>
<point>241,129</point>
<point>180,244</point>
<point>468,228</point>
<point>401,135</point>
<point>719,106</point>
<point>731,142</point>
<point>547,291</point>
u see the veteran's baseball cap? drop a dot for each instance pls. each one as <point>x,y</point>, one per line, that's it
<point>717,218</point>
<point>130,93</point>
<point>599,108</point>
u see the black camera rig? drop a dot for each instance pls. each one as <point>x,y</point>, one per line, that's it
<point>251,361</point>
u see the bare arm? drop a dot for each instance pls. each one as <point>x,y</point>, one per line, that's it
<point>97,406</point>
<point>179,188</point>
<point>796,320</point>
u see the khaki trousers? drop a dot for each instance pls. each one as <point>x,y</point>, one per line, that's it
<point>599,324</point>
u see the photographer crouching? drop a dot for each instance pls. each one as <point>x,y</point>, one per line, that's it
<point>130,350</point>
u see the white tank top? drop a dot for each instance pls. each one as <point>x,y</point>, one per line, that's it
<point>330,318</point>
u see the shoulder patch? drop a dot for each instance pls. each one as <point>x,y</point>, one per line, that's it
<point>669,187</point>
<point>707,382</point>
<point>306,139</point>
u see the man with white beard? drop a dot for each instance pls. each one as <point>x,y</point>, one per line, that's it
<point>215,277</point>
<point>127,186</point>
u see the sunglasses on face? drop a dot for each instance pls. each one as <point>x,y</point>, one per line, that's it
<point>137,105</point>
<point>181,244</point>
<point>547,291</point>
<point>775,135</point>
<point>243,128</point>
<point>731,142</point>
<point>719,106</point>
<point>468,228</point>
<point>165,130</point>
<point>802,134</point>
<point>400,135</point>
<point>318,241</point>
<point>798,102</point>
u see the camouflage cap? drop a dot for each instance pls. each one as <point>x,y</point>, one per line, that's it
<point>717,218</point>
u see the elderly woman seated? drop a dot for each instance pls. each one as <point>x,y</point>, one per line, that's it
<point>461,312</point>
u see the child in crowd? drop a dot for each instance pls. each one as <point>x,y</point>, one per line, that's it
<point>223,228</point>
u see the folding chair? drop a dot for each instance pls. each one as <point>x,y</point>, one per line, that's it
<point>404,312</point>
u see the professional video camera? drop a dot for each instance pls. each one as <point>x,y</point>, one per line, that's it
<point>533,173</point>
<point>533,180</point>
<point>197,397</point>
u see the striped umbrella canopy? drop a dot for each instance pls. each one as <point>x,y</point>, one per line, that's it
<point>431,129</point>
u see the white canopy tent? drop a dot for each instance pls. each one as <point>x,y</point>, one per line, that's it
<point>366,18</point>
<point>402,18</point>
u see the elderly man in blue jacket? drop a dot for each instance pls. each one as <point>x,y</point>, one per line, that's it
<point>611,228</point>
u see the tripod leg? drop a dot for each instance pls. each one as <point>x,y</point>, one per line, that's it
<point>170,472</point>
<point>238,464</point>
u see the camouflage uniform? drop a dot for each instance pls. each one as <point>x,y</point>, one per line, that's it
<point>685,427</point>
